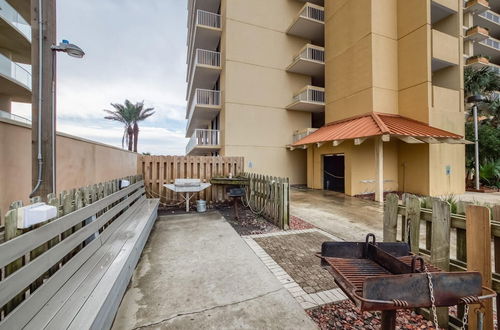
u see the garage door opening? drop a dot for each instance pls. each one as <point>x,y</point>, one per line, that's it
<point>334,172</point>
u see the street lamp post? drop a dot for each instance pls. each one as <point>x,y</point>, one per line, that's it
<point>475,99</point>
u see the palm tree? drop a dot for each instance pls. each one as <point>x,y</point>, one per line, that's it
<point>123,113</point>
<point>139,113</point>
<point>129,114</point>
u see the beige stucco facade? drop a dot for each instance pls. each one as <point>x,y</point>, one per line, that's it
<point>80,162</point>
<point>389,56</point>
<point>400,57</point>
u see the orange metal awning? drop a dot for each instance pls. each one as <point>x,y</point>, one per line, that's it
<point>378,124</point>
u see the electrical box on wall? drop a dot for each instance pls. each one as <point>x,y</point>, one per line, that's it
<point>34,214</point>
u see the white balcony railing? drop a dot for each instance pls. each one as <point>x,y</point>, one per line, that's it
<point>311,94</point>
<point>203,137</point>
<point>207,57</point>
<point>8,13</point>
<point>299,135</point>
<point>15,71</point>
<point>490,15</point>
<point>206,18</point>
<point>312,53</point>
<point>8,115</point>
<point>491,42</point>
<point>204,97</point>
<point>313,12</point>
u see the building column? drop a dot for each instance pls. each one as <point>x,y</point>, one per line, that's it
<point>379,170</point>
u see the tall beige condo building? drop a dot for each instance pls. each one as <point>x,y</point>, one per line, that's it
<point>357,96</point>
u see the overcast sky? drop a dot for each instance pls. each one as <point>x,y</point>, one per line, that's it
<point>135,50</point>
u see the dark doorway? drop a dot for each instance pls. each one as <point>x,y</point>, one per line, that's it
<point>333,172</point>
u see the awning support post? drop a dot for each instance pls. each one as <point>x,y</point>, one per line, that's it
<point>379,170</point>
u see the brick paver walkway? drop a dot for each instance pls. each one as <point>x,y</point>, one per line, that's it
<point>296,255</point>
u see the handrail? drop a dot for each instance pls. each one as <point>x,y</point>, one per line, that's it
<point>313,12</point>
<point>310,94</point>
<point>491,42</point>
<point>207,18</point>
<point>8,13</point>
<point>8,115</point>
<point>491,16</point>
<point>204,97</point>
<point>312,53</point>
<point>15,71</point>
<point>203,137</point>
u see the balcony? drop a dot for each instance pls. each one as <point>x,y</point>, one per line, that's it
<point>203,142</point>
<point>15,81</point>
<point>205,107</point>
<point>205,32</point>
<point>12,117</point>
<point>441,9</point>
<point>300,134</point>
<point>310,23</point>
<point>476,6</point>
<point>204,71</point>
<point>489,48</point>
<point>476,34</point>
<point>310,61</point>
<point>445,50</point>
<point>310,99</point>
<point>18,42</point>
<point>489,20</point>
<point>23,7</point>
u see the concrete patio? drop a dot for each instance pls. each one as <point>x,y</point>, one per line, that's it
<point>197,272</point>
<point>348,218</point>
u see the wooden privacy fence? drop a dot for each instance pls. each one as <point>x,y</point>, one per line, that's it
<point>47,247</point>
<point>270,197</point>
<point>160,170</point>
<point>431,229</point>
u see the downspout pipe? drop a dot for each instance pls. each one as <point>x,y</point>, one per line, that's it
<point>40,85</point>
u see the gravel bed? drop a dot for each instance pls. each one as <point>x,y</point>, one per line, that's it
<point>298,224</point>
<point>248,223</point>
<point>344,315</point>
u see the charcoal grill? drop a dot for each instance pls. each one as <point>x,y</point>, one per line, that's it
<point>387,276</point>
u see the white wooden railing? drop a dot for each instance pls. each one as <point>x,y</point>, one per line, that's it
<point>207,57</point>
<point>207,18</point>
<point>313,12</point>
<point>312,53</point>
<point>204,97</point>
<point>203,137</point>
<point>311,94</point>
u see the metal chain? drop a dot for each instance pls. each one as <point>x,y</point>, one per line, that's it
<point>466,315</point>
<point>431,294</point>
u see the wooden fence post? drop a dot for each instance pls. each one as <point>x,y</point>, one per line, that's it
<point>478,226</point>
<point>495,216</point>
<point>12,232</point>
<point>440,245</point>
<point>413,218</point>
<point>391,218</point>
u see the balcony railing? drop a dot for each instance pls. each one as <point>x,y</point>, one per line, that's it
<point>206,18</point>
<point>299,135</point>
<point>204,97</point>
<point>207,57</point>
<point>8,115</point>
<point>203,137</point>
<point>313,12</point>
<point>492,42</point>
<point>311,94</point>
<point>490,15</point>
<point>312,53</point>
<point>8,13</point>
<point>15,71</point>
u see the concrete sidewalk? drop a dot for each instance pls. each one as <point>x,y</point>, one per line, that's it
<point>196,272</point>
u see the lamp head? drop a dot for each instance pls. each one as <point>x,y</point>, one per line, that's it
<point>71,49</point>
<point>476,98</point>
